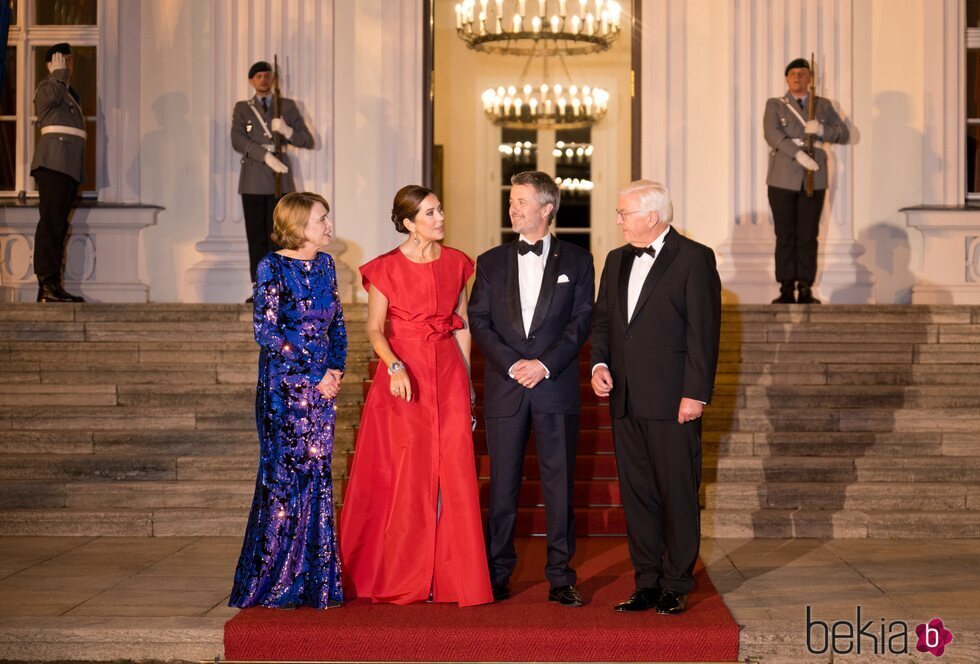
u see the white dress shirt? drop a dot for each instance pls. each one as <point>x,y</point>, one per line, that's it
<point>530,275</point>
<point>530,271</point>
<point>638,273</point>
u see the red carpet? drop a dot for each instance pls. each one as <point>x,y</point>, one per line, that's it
<point>525,627</point>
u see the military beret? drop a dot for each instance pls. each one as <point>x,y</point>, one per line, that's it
<point>258,68</point>
<point>798,63</point>
<point>63,47</point>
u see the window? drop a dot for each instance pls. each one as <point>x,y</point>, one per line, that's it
<point>568,154</point>
<point>35,26</point>
<point>973,99</point>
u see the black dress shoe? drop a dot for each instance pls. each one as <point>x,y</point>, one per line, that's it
<point>53,292</point>
<point>806,296</point>
<point>671,603</point>
<point>566,596</point>
<point>786,294</point>
<point>641,600</point>
<point>500,593</point>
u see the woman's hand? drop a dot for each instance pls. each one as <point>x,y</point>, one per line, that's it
<point>329,387</point>
<point>401,385</point>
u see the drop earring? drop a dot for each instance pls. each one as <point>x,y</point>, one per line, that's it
<point>415,239</point>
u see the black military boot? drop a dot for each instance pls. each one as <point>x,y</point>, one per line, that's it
<point>787,293</point>
<point>52,291</point>
<point>805,295</point>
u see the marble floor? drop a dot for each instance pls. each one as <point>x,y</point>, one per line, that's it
<point>106,598</point>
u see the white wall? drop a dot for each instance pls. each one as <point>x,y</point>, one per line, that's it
<point>708,67</point>
<point>365,115</point>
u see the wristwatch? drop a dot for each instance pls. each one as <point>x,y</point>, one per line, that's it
<point>395,367</point>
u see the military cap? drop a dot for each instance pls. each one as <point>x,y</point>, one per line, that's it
<point>798,63</point>
<point>258,68</point>
<point>63,47</point>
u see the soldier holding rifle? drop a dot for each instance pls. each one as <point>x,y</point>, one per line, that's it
<point>261,128</point>
<point>796,127</point>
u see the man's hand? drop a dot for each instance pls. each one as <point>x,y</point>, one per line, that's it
<point>806,161</point>
<point>279,125</point>
<point>602,382</point>
<point>812,127</point>
<point>690,410</point>
<point>275,164</point>
<point>57,62</point>
<point>528,372</point>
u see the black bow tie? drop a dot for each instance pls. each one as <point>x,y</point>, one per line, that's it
<point>524,247</point>
<point>639,251</point>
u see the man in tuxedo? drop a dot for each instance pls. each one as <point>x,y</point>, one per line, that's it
<point>654,352</point>
<point>530,312</point>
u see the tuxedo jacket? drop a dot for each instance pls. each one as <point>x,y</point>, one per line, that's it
<point>559,328</point>
<point>782,127</point>
<point>669,349</point>
<point>249,138</point>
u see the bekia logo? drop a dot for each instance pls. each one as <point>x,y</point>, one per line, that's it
<point>933,637</point>
<point>875,636</point>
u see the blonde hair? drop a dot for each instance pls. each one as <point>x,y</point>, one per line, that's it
<point>291,215</point>
<point>652,197</point>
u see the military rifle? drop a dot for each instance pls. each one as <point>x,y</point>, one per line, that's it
<point>276,136</point>
<point>811,114</point>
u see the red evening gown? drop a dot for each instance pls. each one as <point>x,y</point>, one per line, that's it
<point>411,524</point>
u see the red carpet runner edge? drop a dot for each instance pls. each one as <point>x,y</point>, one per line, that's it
<point>524,628</point>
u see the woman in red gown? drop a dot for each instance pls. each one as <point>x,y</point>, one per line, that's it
<point>411,529</point>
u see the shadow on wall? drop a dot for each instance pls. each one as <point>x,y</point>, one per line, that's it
<point>181,192</point>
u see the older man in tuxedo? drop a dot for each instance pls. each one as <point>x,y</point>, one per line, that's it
<point>530,312</point>
<point>654,353</point>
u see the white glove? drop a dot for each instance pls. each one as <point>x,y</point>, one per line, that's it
<point>806,161</point>
<point>275,164</point>
<point>57,62</point>
<point>278,124</point>
<point>812,127</point>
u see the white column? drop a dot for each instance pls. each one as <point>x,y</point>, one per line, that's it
<point>663,80</point>
<point>378,119</point>
<point>300,32</point>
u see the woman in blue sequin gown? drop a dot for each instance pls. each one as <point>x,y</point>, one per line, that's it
<point>290,556</point>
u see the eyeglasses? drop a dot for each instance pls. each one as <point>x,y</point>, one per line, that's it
<point>621,214</point>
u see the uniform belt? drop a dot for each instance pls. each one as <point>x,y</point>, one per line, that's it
<point>64,129</point>
<point>802,143</point>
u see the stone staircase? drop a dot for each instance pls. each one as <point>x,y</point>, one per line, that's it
<point>833,421</point>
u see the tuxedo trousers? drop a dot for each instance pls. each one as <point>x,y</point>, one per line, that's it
<point>659,465</point>
<point>796,218</point>
<point>556,443</point>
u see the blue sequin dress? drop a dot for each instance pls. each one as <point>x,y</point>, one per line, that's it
<point>290,555</point>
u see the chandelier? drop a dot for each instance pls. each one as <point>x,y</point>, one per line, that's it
<point>545,105</point>
<point>547,27</point>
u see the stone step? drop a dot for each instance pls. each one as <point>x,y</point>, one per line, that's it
<point>729,523</point>
<point>56,395</point>
<point>149,312</point>
<point>870,496</point>
<point>841,469</point>
<point>894,524</point>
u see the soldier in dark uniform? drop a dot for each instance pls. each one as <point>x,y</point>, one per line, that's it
<point>252,128</point>
<point>796,216</point>
<point>58,168</point>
